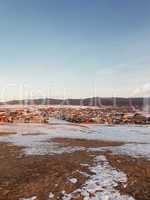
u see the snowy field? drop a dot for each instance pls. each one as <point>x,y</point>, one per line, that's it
<point>36,138</point>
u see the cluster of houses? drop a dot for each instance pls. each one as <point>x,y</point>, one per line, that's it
<point>22,115</point>
<point>73,114</point>
<point>101,116</point>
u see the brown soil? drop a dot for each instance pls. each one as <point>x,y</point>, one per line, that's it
<point>85,143</point>
<point>27,176</point>
<point>3,133</point>
<point>138,174</point>
<point>136,169</point>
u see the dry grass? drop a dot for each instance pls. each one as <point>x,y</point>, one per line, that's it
<point>25,176</point>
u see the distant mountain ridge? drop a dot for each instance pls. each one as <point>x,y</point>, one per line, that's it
<point>94,101</point>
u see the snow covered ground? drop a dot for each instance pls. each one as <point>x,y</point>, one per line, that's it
<point>36,137</point>
<point>36,140</point>
<point>101,185</point>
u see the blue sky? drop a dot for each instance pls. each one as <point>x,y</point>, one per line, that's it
<point>74,49</point>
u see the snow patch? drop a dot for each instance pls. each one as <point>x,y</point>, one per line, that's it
<point>73,180</point>
<point>51,195</point>
<point>29,198</point>
<point>36,138</point>
<point>101,185</point>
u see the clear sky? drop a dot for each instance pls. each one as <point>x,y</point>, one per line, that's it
<point>74,48</point>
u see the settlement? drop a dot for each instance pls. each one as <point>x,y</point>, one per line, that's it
<point>107,115</point>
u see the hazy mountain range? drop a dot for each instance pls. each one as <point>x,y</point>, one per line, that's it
<point>94,101</point>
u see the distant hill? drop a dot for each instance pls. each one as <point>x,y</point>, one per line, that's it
<point>95,101</point>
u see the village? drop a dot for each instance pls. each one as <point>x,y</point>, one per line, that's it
<point>91,115</point>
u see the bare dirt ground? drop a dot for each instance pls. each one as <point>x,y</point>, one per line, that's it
<point>136,169</point>
<point>85,143</point>
<point>3,133</point>
<point>26,176</point>
<point>138,174</point>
